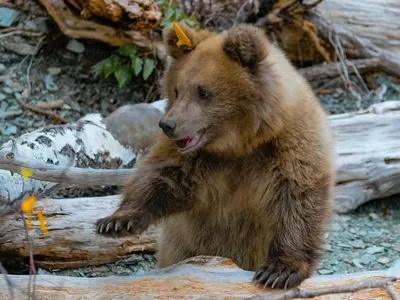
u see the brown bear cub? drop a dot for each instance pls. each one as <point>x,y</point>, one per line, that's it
<point>244,166</point>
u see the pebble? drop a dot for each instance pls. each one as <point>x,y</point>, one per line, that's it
<point>366,259</point>
<point>359,244</point>
<point>325,272</point>
<point>8,16</point>
<point>39,24</point>
<point>384,260</point>
<point>2,68</point>
<point>75,46</point>
<point>49,83</point>
<point>8,90</point>
<point>373,216</point>
<point>357,263</point>
<point>17,96</point>
<point>374,249</point>
<point>343,245</point>
<point>54,71</point>
<point>2,97</point>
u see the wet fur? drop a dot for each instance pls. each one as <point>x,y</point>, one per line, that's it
<point>259,191</point>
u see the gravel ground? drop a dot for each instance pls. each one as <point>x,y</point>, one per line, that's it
<point>367,239</point>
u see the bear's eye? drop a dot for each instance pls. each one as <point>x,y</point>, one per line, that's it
<point>203,94</point>
<point>176,93</point>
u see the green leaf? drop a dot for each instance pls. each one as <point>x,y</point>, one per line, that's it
<point>127,50</point>
<point>123,75</point>
<point>111,66</point>
<point>98,68</point>
<point>178,14</point>
<point>148,68</point>
<point>137,65</point>
<point>170,12</point>
<point>165,22</point>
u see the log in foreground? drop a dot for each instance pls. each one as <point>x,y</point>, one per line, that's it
<point>195,278</point>
<point>71,241</point>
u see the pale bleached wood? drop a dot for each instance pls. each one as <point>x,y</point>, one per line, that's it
<point>368,155</point>
<point>71,241</point>
<point>195,278</point>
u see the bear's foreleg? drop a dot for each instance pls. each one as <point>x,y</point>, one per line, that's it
<point>152,193</point>
<point>300,223</point>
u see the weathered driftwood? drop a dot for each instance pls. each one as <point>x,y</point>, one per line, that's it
<point>351,21</point>
<point>332,70</point>
<point>140,16</point>
<point>195,278</point>
<point>71,241</point>
<point>92,142</point>
<point>368,151</point>
<point>375,20</point>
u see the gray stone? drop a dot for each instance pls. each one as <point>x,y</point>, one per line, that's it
<point>366,259</point>
<point>39,24</point>
<point>357,263</point>
<point>54,71</point>
<point>17,96</point>
<point>49,83</point>
<point>374,249</point>
<point>359,244</point>
<point>325,271</point>
<point>344,245</point>
<point>2,97</point>
<point>2,68</point>
<point>386,245</point>
<point>8,90</point>
<point>373,216</point>
<point>75,46</point>
<point>8,16</point>
<point>384,260</point>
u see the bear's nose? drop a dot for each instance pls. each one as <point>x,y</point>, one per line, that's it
<point>168,126</point>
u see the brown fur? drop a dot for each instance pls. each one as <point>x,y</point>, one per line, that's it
<point>258,189</point>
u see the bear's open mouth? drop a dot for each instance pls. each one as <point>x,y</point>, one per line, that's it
<point>190,142</point>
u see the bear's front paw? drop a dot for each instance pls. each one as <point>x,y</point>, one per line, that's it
<point>279,275</point>
<point>119,225</point>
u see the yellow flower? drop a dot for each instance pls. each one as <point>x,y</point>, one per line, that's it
<point>42,221</point>
<point>26,172</point>
<point>28,203</point>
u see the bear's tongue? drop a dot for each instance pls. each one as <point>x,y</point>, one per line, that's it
<point>183,143</point>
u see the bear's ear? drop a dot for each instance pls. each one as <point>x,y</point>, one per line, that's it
<point>247,45</point>
<point>180,39</point>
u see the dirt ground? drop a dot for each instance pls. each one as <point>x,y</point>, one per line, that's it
<point>368,239</point>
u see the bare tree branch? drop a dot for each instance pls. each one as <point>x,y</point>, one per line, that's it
<point>13,161</point>
<point>346,288</point>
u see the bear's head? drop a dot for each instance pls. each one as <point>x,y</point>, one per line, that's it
<point>223,95</point>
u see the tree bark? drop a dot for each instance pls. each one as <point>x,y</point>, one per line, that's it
<point>195,278</point>
<point>367,29</point>
<point>71,241</point>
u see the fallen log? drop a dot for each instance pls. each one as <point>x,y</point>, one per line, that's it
<point>368,155</point>
<point>351,22</point>
<point>71,241</point>
<point>332,70</point>
<point>195,278</point>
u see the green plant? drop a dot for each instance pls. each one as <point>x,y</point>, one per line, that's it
<point>128,61</point>
<point>172,12</point>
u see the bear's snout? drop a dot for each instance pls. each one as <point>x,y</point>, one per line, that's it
<point>168,126</point>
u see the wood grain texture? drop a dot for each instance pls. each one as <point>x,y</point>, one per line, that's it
<point>195,278</point>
